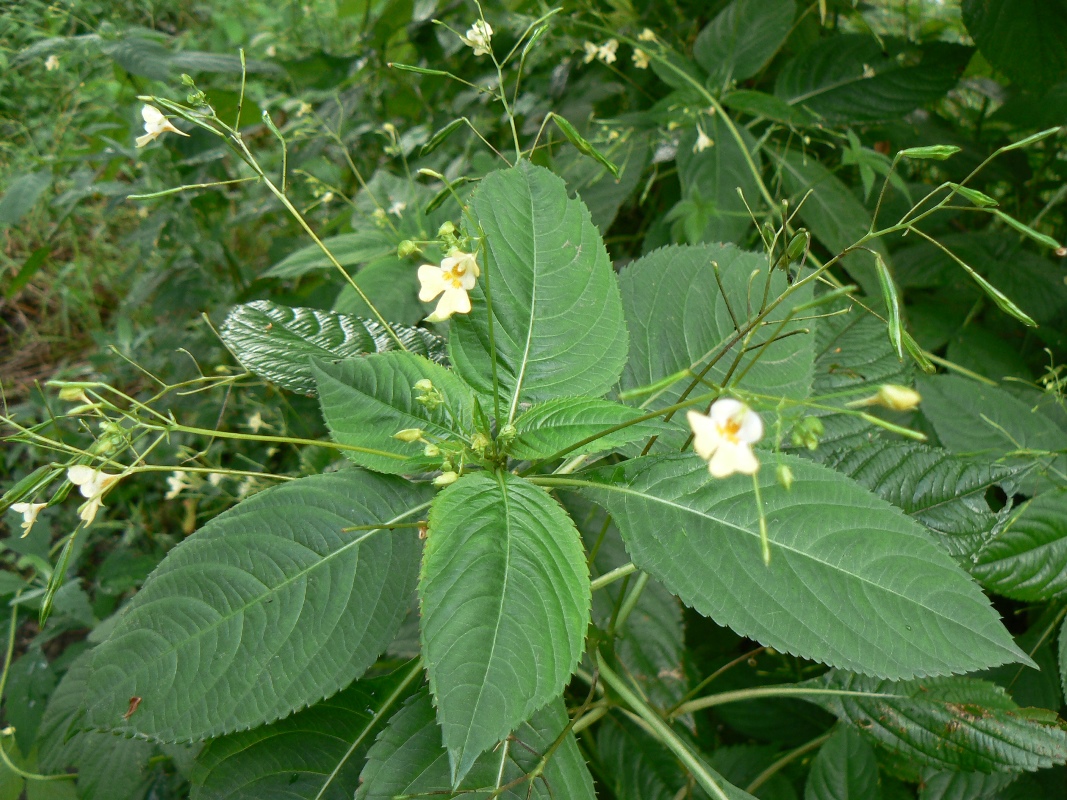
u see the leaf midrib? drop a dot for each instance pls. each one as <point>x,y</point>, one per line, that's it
<point>273,590</point>
<point>755,534</point>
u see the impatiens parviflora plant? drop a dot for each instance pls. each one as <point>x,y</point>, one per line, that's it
<point>558,387</point>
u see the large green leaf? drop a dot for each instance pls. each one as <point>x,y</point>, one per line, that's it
<point>366,401</point>
<point>268,608</point>
<point>976,419</point>
<point>839,556</point>
<point>946,493</point>
<point>316,754</point>
<point>679,319</point>
<point>409,760</point>
<point>391,286</point>
<point>1027,559</point>
<point>855,80</point>
<point>505,607</point>
<point>1024,38</point>
<point>108,766</point>
<point>844,769</point>
<point>956,724</point>
<point>277,343</point>
<point>557,424</point>
<point>834,214</point>
<point>557,318</point>
<point>349,249</point>
<point>712,210</point>
<point>743,37</point>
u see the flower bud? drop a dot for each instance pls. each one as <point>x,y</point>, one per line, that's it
<point>408,434</point>
<point>898,398</point>
<point>479,442</point>
<point>445,479</point>
<point>431,451</point>
<point>424,385</point>
<point>784,476</point>
<point>446,229</point>
<point>73,394</point>
<point>407,248</point>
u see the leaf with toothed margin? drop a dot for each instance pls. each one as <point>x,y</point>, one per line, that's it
<point>953,723</point>
<point>409,760</point>
<point>557,327</point>
<point>505,606</point>
<point>841,558</point>
<point>316,754</point>
<point>845,768</point>
<point>277,343</point>
<point>268,608</point>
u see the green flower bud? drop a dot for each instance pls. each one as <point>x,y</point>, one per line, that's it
<point>406,248</point>
<point>446,229</point>
<point>445,479</point>
<point>408,434</point>
<point>784,476</point>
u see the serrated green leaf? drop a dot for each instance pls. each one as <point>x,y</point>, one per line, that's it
<point>367,401</point>
<point>558,322</point>
<point>1027,559</point>
<point>845,768</point>
<point>966,785</point>
<point>856,81</point>
<point>711,182</point>
<point>30,680</point>
<point>743,37</point>
<point>955,723</point>
<point>943,492</point>
<point>349,249</point>
<point>976,419</point>
<point>277,343</point>
<point>409,760</point>
<point>268,608</point>
<point>560,424</point>
<point>680,320</point>
<point>108,766</point>
<point>505,605</point>
<point>1026,230</point>
<point>829,538</point>
<point>22,194</point>
<point>316,754</point>
<point>1021,37</point>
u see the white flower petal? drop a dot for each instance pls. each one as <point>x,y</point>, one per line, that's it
<point>725,408</point>
<point>751,430</point>
<point>431,282</point>
<point>152,117</point>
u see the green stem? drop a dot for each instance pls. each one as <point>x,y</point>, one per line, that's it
<point>784,761</point>
<point>609,578</point>
<point>767,691</point>
<point>630,602</point>
<point>256,437</point>
<point>662,732</point>
<point>397,693</point>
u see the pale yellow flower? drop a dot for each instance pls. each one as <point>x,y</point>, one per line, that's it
<point>93,484</point>
<point>155,125</point>
<point>29,513</point>
<point>703,140</point>
<point>606,51</point>
<point>640,58</point>
<point>478,37</point>
<point>892,396</point>
<point>177,483</point>
<point>456,276</point>
<point>52,62</point>
<point>647,35</point>
<point>591,51</point>
<point>255,422</point>
<point>724,437</point>
<point>397,208</point>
